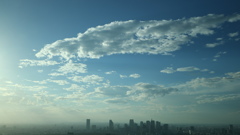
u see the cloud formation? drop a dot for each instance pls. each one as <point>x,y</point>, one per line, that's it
<point>217,98</point>
<point>137,92</point>
<point>70,67</point>
<point>228,83</point>
<point>233,34</point>
<point>27,62</point>
<point>121,37</point>
<point>90,79</point>
<point>170,70</point>
<point>218,55</point>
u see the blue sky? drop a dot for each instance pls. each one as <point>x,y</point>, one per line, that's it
<point>172,61</point>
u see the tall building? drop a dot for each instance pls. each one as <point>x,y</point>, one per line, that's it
<point>158,126</point>
<point>88,124</point>
<point>152,126</point>
<point>131,125</point>
<point>111,125</point>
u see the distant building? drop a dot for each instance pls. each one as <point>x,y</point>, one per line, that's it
<point>131,124</point>
<point>88,124</point>
<point>111,125</point>
<point>152,126</point>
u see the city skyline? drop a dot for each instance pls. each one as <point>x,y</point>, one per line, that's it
<point>65,61</point>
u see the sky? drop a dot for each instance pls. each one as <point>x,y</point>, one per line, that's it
<point>69,60</point>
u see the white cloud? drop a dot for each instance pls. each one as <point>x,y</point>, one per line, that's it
<point>218,55</point>
<point>75,87</point>
<point>130,76</point>
<point>230,82</point>
<point>123,76</point>
<point>217,98</point>
<point>110,72</point>
<point>91,79</point>
<point>134,75</point>
<point>116,101</point>
<point>187,69</point>
<point>212,45</point>
<point>56,74</point>
<point>170,70</point>
<point>27,62</point>
<point>40,71</point>
<point>59,82</point>
<point>219,39</point>
<point>71,67</point>
<point>121,37</point>
<point>139,91</point>
<point>233,34</point>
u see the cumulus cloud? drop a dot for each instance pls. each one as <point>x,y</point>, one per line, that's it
<point>74,87</point>
<point>123,76</point>
<point>170,70</point>
<point>91,79</point>
<point>71,67</point>
<point>121,37</point>
<point>139,91</point>
<point>212,45</point>
<point>130,76</point>
<point>134,75</point>
<point>230,82</point>
<point>233,34</point>
<point>27,62</point>
<point>59,82</point>
<point>110,72</point>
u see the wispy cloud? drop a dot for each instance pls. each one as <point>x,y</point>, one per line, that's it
<point>59,82</point>
<point>212,45</point>
<point>90,79</point>
<point>74,87</point>
<point>121,37</point>
<point>137,92</point>
<point>233,34</point>
<point>218,55</point>
<point>134,75</point>
<point>27,62</point>
<point>217,98</point>
<point>110,72</point>
<point>170,70</point>
<point>70,68</point>
<point>229,82</point>
<point>130,76</point>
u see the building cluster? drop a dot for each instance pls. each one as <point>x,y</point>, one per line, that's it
<point>150,127</point>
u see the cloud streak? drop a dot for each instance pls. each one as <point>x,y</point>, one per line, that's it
<point>170,70</point>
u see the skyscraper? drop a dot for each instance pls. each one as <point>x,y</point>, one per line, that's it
<point>111,125</point>
<point>88,124</point>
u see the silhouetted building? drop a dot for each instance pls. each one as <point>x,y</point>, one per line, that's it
<point>158,126</point>
<point>88,124</point>
<point>111,125</point>
<point>152,126</point>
